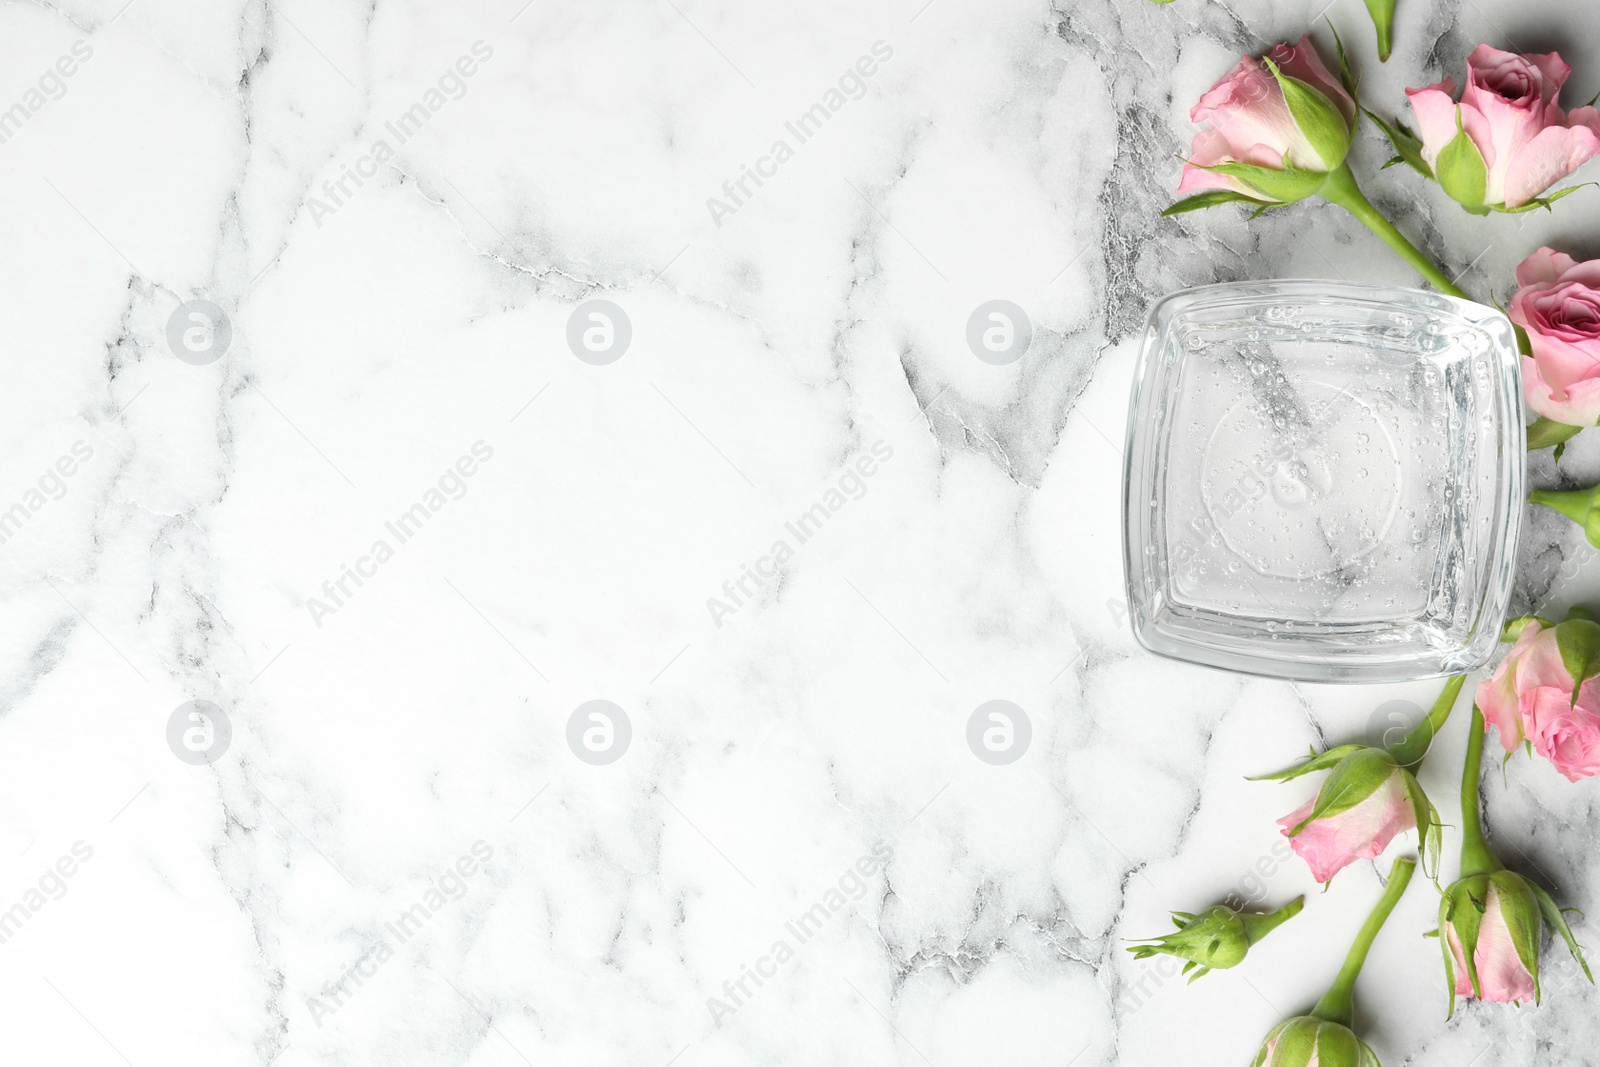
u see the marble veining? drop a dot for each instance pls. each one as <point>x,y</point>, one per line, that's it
<point>400,534</point>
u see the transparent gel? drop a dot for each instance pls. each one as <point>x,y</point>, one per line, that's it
<point>1324,481</point>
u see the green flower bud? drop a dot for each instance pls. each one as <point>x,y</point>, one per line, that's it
<point>1306,1039</point>
<point>1218,937</point>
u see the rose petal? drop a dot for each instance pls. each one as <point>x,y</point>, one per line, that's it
<point>1579,407</point>
<point>1544,266</point>
<point>1302,61</point>
<point>1552,154</point>
<point>1330,844</point>
<point>1501,974</point>
<point>1435,108</point>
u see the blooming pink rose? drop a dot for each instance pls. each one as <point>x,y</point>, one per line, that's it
<point>1529,697</point>
<point>1330,844</point>
<point>1533,662</point>
<point>1249,121</point>
<point>1502,976</point>
<point>1558,305</point>
<point>1566,734</point>
<point>1510,110</point>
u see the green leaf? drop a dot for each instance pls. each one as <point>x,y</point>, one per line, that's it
<point>1557,921</point>
<point>1285,185</point>
<point>1319,119</point>
<point>1405,143</point>
<point>1215,198</point>
<point>1545,432</point>
<point>1579,643</point>
<point>1462,172</point>
<point>1314,762</point>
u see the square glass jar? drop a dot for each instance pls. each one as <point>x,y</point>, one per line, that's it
<point>1324,480</point>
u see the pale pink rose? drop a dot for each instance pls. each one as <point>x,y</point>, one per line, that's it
<point>1501,974</point>
<point>1511,111</point>
<point>1533,662</point>
<point>1558,305</point>
<point>1248,121</point>
<point>1330,844</point>
<point>1566,734</point>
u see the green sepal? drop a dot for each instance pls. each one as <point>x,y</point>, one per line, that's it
<point>1351,83</point>
<point>1314,762</point>
<point>1430,832</point>
<point>1285,185</point>
<point>1467,900</point>
<point>1544,432</point>
<point>1406,144</point>
<point>1557,921</point>
<point>1337,1045</point>
<point>1539,201</point>
<point>1524,345</point>
<point>1519,909</point>
<point>1461,171</point>
<point>1214,198</point>
<point>1578,640</point>
<point>1445,905</point>
<point>1356,778</point>
<point>1321,122</point>
<point>1514,627</point>
<point>1297,1043</point>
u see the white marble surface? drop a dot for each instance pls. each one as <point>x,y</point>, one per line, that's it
<point>1004,150</point>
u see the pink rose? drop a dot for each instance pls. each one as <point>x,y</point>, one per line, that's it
<point>1248,119</point>
<point>1566,734</point>
<point>1529,697</point>
<point>1333,842</point>
<point>1558,305</point>
<point>1502,976</point>
<point>1511,113</point>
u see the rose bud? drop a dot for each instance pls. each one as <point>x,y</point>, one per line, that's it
<point>1217,938</point>
<point>1324,1037</point>
<point>1371,796</point>
<point>1275,128</point>
<point>1492,921</point>
<point>1558,308</point>
<point>1508,140</point>
<point>1307,1041</point>
<point>1546,693</point>
<point>1276,131</point>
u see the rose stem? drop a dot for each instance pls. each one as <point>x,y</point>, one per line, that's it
<point>1337,1004</point>
<point>1410,749</point>
<point>1476,856</point>
<point>1341,189</point>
